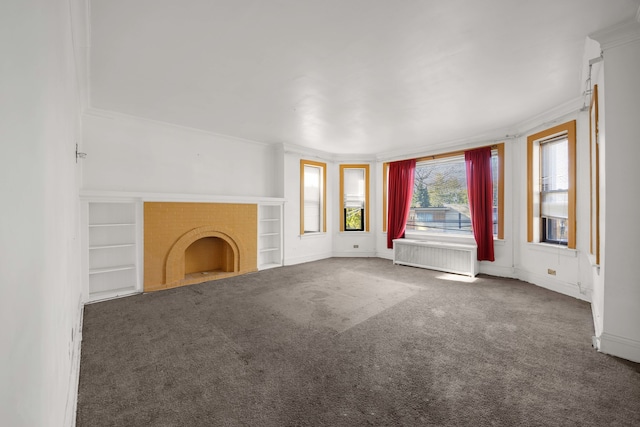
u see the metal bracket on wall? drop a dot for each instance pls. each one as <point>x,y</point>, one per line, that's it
<point>79,155</point>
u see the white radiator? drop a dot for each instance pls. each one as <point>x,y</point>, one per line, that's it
<point>443,256</point>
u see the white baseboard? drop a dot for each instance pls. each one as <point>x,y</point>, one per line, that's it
<point>555,285</point>
<point>497,271</point>
<point>352,254</point>
<point>386,254</point>
<point>74,376</point>
<point>307,258</point>
<point>619,346</point>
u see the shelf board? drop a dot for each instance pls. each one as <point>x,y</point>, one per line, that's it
<point>122,224</point>
<point>269,234</point>
<point>121,245</point>
<point>269,249</point>
<point>269,219</point>
<point>111,269</point>
<point>269,265</point>
<point>113,293</point>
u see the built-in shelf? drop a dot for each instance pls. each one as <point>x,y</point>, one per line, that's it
<point>123,245</point>
<point>270,242</point>
<point>111,269</point>
<point>111,243</point>
<point>272,265</point>
<point>113,293</point>
<point>112,225</point>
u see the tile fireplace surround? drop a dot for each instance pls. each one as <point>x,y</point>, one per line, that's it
<point>188,243</point>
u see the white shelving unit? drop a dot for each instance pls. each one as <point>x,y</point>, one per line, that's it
<point>112,248</point>
<point>270,236</point>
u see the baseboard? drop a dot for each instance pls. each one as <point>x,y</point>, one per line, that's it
<point>74,376</point>
<point>352,254</point>
<point>497,271</point>
<point>307,258</point>
<point>386,254</point>
<point>555,285</point>
<point>619,346</point>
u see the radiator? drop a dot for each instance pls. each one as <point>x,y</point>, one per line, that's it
<point>442,256</point>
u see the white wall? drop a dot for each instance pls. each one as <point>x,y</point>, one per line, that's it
<point>621,314</point>
<point>310,247</point>
<point>135,155</point>
<point>533,260</point>
<point>40,290</point>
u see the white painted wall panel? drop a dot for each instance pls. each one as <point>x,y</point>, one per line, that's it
<point>40,289</point>
<point>621,250</point>
<point>131,154</point>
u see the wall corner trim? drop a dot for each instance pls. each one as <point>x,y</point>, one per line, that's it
<point>74,374</point>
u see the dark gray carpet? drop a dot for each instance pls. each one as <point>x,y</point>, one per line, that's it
<point>350,342</point>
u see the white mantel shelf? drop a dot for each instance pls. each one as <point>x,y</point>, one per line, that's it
<point>177,197</point>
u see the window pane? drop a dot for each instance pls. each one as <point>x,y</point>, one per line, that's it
<point>555,230</point>
<point>440,201</point>
<point>555,204</point>
<point>554,174</point>
<point>354,188</point>
<point>312,198</point>
<point>554,194</point>
<point>353,219</point>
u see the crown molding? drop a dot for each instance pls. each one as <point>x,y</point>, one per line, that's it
<point>488,138</point>
<point>620,34</point>
<point>325,155</point>
<point>557,114</point>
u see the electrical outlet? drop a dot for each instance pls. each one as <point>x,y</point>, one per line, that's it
<point>551,272</point>
<point>356,246</point>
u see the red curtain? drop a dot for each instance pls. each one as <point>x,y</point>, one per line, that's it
<point>401,177</point>
<point>480,190</point>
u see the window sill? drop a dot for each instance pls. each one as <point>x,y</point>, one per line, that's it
<point>353,233</point>
<point>553,249</point>
<point>313,235</point>
<point>442,237</point>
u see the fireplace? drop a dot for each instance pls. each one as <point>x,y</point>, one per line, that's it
<point>189,243</point>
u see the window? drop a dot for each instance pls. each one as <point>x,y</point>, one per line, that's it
<point>440,202</point>
<point>554,190</point>
<point>313,195</point>
<point>551,180</point>
<point>354,197</point>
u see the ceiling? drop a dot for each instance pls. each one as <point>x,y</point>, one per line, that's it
<point>343,76</point>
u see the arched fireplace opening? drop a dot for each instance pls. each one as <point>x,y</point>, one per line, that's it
<point>200,255</point>
<point>208,255</point>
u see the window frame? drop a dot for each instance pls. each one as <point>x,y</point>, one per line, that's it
<point>323,195</point>
<point>501,157</point>
<point>534,217</point>
<point>594,175</point>
<point>366,215</point>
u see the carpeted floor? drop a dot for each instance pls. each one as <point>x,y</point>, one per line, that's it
<point>350,342</point>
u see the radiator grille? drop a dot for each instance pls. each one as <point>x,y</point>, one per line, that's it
<point>452,258</point>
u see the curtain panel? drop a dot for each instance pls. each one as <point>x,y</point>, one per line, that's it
<point>401,178</point>
<point>480,192</point>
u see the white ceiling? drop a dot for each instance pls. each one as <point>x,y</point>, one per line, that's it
<point>343,76</point>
